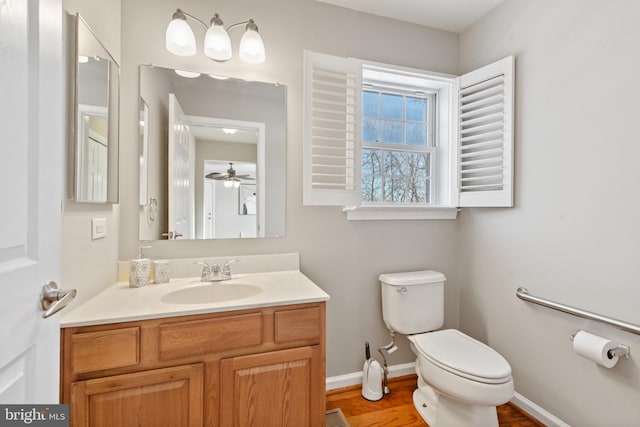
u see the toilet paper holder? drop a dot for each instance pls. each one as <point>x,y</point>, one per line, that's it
<point>620,351</point>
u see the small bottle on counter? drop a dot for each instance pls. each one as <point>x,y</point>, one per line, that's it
<point>139,269</point>
<point>161,271</point>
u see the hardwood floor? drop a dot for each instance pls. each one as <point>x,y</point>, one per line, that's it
<point>396,409</point>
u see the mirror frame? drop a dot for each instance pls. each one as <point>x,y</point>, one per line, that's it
<point>79,111</point>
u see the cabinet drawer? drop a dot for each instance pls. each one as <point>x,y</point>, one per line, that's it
<point>297,325</point>
<point>193,338</point>
<point>94,351</point>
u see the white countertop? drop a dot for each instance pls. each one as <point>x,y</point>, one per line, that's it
<point>121,303</point>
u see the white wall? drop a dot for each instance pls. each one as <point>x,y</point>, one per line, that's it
<point>87,265</point>
<point>574,234</point>
<point>344,258</point>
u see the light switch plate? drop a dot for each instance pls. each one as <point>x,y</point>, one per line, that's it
<point>98,228</point>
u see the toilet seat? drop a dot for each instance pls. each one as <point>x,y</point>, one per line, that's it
<point>461,355</point>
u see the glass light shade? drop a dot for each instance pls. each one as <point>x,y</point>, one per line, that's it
<point>217,44</point>
<point>180,39</point>
<point>228,183</point>
<point>236,184</point>
<point>187,74</point>
<point>252,47</point>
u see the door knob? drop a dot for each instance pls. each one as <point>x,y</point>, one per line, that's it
<point>53,299</point>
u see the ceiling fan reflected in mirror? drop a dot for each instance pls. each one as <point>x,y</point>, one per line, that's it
<point>230,177</point>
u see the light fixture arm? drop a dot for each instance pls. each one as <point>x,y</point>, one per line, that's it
<point>181,14</point>
<point>250,25</point>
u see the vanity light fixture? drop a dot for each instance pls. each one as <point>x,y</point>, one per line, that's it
<point>217,44</point>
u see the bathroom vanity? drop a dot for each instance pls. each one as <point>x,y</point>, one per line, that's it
<point>158,359</point>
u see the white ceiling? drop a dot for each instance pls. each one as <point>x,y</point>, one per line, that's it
<point>449,15</point>
<point>214,133</point>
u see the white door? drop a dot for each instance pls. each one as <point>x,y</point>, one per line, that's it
<point>181,173</point>
<point>209,210</point>
<point>31,149</point>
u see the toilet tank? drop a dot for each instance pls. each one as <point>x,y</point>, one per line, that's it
<point>413,302</point>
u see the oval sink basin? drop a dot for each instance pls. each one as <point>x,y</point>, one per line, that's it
<point>214,292</point>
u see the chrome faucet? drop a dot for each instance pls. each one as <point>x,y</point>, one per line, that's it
<point>213,273</point>
<point>226,269</point>
<point>205,275</point>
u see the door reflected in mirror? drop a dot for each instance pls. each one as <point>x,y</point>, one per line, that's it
<point>215,157</point>
<point>230,200</point>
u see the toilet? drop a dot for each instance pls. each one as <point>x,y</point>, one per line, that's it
<point>460,379</point>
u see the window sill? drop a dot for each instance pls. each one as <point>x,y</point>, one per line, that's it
<point>372,213</point>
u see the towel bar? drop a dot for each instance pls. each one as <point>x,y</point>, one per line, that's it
<point>523,294</point>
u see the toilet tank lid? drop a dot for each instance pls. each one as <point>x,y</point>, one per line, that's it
<point>412,278</point>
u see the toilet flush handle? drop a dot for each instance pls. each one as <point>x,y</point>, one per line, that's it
<point>402,290</point>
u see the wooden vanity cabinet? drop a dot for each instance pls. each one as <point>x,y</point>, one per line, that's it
<point>263,367</point>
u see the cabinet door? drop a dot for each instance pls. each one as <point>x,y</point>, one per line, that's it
<point>169,397</point>
<point>275,389</point>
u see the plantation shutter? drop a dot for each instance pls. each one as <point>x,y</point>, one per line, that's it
<point>331,140</point>
<point>485,136</point>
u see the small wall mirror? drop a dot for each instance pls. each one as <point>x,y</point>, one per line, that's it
<point>96,119</point>
<point>212,157</point>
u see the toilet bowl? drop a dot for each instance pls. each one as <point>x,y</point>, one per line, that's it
<point>463,378</point>
<point>460,379</point>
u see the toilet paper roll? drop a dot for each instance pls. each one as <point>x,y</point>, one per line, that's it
<point>595,348</point>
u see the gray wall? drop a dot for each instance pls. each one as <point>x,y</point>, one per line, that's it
<point>574,233</point>
<point>158,85</point>
<point>89,265</point>
<point>344,258</point>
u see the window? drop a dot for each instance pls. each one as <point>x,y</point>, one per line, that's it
<point>387,142</point>
<point>397,146</point>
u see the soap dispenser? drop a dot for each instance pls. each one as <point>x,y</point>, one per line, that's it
<point>139,270</point>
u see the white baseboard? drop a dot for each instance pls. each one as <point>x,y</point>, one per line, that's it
<point>537,412</point>
<point>354,378</point>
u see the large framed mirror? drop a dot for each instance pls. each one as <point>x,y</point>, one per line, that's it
<point>213,157</point>
<point>95,142</point>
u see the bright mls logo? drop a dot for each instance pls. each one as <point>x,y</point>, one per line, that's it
<point>36,415</point>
